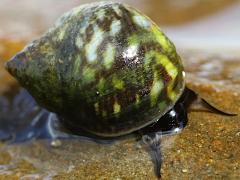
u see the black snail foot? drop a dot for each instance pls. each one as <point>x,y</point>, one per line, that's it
<point>172,122</point>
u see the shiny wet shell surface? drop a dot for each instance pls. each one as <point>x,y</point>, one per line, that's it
<point>104,67</point>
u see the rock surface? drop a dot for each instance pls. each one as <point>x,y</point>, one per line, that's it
<point>207,148</point>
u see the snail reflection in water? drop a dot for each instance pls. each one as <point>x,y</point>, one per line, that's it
<point>107,70</point>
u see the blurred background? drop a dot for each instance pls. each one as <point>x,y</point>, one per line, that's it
<point>197,24</point>
<point>191,24</point>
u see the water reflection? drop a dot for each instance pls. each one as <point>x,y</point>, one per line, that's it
<point>21,120</point>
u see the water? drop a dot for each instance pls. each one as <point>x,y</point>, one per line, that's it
<point>22,120</point>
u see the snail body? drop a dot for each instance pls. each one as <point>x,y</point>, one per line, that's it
<point>104,68</point>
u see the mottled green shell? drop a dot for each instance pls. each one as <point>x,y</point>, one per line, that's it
<point>104,67</point>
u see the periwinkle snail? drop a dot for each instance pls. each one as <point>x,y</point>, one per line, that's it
<point>104,68</point>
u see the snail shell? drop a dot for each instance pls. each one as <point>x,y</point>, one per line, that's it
<point>104,67</point>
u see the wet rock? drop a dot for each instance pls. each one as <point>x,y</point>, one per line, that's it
<point>207,148</point>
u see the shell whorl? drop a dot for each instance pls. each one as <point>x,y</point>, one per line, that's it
<point>105,65</point>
